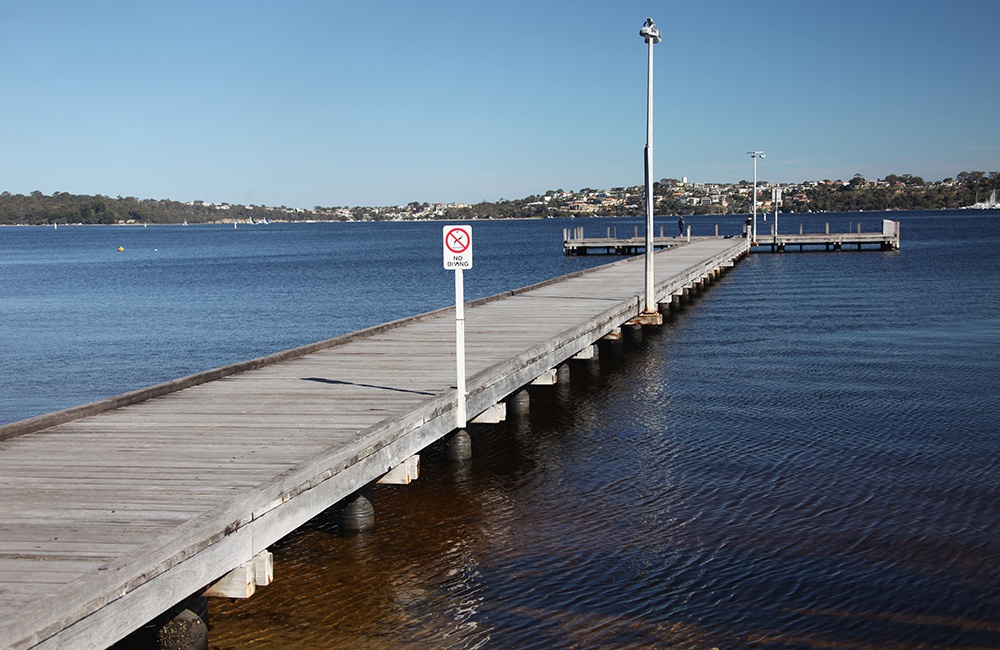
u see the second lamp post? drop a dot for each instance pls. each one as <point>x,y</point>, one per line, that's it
<point>755,155</point>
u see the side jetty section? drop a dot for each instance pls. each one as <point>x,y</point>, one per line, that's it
<point>575,242</point>
<point>124,513</point>
<point>887,239</point>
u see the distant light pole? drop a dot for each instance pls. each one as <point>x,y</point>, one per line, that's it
<point>755,155</point>
<point>776,200</point>
<point>651,34</point>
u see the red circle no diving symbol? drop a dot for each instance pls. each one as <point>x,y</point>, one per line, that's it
<point>457,240</point>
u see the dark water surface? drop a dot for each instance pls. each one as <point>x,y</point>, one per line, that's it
<point>807,457</point>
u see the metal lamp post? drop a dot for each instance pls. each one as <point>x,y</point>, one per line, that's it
<point>755,155</point>
<point>651,34</point>
<point>776,200</point>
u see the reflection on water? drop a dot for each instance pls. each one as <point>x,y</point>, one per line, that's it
<point>794,462</point>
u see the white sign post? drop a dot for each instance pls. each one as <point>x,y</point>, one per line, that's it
<point>458,257</point>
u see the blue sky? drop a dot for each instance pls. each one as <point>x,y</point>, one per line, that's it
<point>304,103</point>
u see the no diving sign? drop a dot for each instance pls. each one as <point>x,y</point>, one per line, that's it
<point>457,247</point>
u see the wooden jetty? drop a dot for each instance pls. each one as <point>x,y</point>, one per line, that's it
<point>576,243</point>
<point>887,239</point>
<point>116,511</point>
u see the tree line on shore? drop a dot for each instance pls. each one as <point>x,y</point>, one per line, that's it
<point>894,192</point>
<point>897,193</point>
<point>65,208</point>
<point>904,192</point>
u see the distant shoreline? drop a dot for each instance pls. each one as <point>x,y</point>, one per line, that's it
<point>230,222</point>
<point>672,198</point>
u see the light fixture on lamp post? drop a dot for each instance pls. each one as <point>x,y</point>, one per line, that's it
<point>755,155</point>
<point>651,35</point>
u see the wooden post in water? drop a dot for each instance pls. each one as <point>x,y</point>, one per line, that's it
<point>459,445</point>
<point>357,512</point>
<point>520,402</point>
<point>185,631</point>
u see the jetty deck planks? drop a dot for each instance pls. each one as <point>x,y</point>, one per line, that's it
<point>111,518</point>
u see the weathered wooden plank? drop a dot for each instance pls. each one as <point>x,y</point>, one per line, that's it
<point>50,530</point>
<point>74,564</point>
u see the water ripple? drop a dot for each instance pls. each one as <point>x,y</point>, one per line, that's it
<point>807,458</point>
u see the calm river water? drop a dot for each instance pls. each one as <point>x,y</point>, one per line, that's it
<point>807,457</point>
